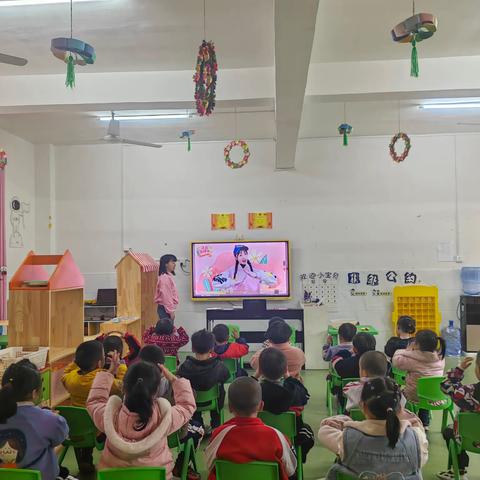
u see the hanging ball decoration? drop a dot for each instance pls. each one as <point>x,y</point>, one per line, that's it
<point>413,30</point>
<point>73,52</point>
<point>406,149</point>
<point>3,159</point>
<point>205,78</point>
<point>345,129</point>
<point>187,134</point>
<point>246,153</point>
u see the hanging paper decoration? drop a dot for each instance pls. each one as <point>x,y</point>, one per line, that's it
<point>406,149</point>
<point>345,129</point>
<point>187,134</point>
<point>72,51</point>
<point>3,246</point>
<point>205,78</point>
<point>246,153</point>
<point>414,29</point>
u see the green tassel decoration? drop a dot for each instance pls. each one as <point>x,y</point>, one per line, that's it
<point>345,139</point>
<point>189,143</point>
<point>414,61</point>
<point>70,81</point>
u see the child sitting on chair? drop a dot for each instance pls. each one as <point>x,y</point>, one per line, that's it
<point>205,371</point>
<point>113,341</point>
<point>278,336</point>
<point>382,444</point>
<point>166,336</point>
<point>406,334</point>
<point>245,438</point>
<point>346,364</point>
<point>346,332</point>
<point>154,354</point>
<point>282,393</point>
<point>78,379</point>
<point>223,348</point>
<point>467,399</point>
<point>29,433</point>
<point>137,427</point>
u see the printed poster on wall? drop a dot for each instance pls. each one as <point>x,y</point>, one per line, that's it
<point>223,221</point>
<point>260,220</point>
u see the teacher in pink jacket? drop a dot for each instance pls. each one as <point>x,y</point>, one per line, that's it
<point>166,294</point>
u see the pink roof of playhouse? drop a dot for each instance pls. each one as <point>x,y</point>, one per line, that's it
<point>146,262</point>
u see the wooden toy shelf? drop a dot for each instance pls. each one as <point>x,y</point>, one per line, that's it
<point>47,310</point>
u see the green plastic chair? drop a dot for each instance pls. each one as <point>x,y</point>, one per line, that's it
<point>19,474</point>
<point>187,449</point>
<point>233,364</point>
<point>293,336</point>
<point>399,376</point>
<point>335,381</point>
<point>231,329</point>
<point>469,439</point>
<point>287,424</point>
<point>140,473</point>
<point>171,363</point>
<point>356,414</point>
<point>240,471</point>
<point>82,430</point>
<point>207,401</point>
<point>345,476</point>
<point>431,397</point>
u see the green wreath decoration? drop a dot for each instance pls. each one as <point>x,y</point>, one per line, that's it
<point>246,153</point>
<point>406,149</point>
<point>205,78</point>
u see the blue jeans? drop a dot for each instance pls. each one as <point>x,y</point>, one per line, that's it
<point>162,312</point>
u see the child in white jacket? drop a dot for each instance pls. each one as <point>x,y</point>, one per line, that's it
<point>381,444</point>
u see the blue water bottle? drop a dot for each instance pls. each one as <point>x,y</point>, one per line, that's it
<point>453,340</point>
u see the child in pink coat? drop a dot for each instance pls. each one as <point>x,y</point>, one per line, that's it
<point>137,427</point>
<point>421,358</point>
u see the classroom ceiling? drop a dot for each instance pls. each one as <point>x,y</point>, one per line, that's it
<point>144,35</point>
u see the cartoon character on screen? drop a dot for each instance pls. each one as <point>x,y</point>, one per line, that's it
<point>242,277</point>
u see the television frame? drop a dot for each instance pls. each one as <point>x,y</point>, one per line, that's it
<point>234,298</point>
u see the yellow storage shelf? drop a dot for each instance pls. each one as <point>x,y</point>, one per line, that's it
<point>419,302</point>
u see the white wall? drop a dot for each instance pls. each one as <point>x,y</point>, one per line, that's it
<point>20,182</point>
<point>344,209</point>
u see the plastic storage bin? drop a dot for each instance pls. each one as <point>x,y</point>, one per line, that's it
<point>471,280</point>
<point>15,354</point>
<point>419,302</point>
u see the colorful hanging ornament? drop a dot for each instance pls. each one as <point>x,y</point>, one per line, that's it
<point>406,149</point>
<point>72,51</point>
<point>246,154</point>
<point>414,29</point>
<point>187,134</point>
<point>345,129</point>
<point>205,78</point>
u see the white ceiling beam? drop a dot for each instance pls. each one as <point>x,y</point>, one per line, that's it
<point>294,33</point>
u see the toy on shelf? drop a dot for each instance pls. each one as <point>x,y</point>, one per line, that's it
<point>46,310</point>
<point>419,302</point>
<point>137,275</point>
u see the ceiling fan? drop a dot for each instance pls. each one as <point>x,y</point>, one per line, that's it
<point>11,60</point>
<point>113,135</point>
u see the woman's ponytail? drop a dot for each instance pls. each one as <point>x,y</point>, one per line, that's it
<point>393,427</point>
<point>141,385</point>
<point>19,381</point>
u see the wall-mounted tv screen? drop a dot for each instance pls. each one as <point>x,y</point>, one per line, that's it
<point>235,270</point>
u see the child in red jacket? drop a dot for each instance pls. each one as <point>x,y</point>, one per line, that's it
<point>169,338</point>
<point>223,348</point>
<point>245,438</point>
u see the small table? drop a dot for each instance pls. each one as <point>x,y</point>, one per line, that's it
<point>333,331</point>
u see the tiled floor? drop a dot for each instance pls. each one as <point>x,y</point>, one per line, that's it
<point>319,459</point>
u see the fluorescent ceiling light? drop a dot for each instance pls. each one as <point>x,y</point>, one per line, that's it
<point>153,116</point>
<point>451,105</point>
<point>24,3</point>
